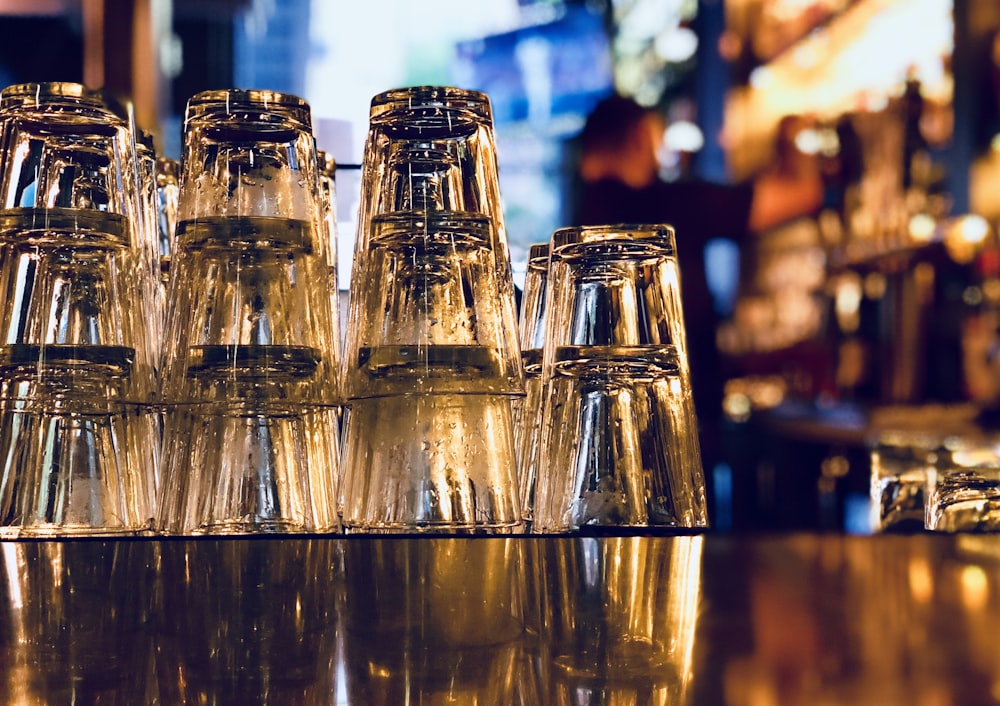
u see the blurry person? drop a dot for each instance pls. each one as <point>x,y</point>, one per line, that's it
<point>619,182</point>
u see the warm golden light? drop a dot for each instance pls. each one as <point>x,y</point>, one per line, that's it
<point>836,466</point>
<point>922,228</point>
<point>737,407</point>
<point>875,285</point>
<point>991,290</point>
<point>980,457</point>
<point>975,588</point>
<point>921,580</point>
<point>965,236</point>
<point>847,301</point>
<point>859,59</point>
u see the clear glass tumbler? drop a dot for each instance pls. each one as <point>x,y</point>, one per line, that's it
<point>528,410</point>
<point>428,436</point>
<point>429,318</point>
<point>900,465</point>
<point>962,491</point>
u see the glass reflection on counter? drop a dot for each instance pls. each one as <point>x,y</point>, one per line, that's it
<point>898,621</point>
<point>483,621</point>
<point>616,619</point>
<point>75,624</point>
<point>433,622</point>
<point>247,623</point>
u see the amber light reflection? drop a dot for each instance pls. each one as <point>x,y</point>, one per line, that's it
<point>869,620</point>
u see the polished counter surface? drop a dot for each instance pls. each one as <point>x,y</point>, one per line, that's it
<point>708,619</point>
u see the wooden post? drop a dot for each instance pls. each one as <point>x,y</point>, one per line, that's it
<point>122,40</point>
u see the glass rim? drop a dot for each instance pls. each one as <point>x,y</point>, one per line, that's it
<point>43,93</point>
<point>538,252</point>
<point>430,96</point>
<point>230,100</point>
<point>660,235</point>
<point>69,89</point>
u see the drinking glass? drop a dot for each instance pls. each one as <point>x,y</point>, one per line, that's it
<point>429,318</point>
<point>430,463</point>
<point>77,427</point>
<point>963,485</point>
<point>528,410</point>
<point>71,182</point>
<point>431,148</point>
<point>620,442</point>
<point>249,374</point>
<point>900,465</point>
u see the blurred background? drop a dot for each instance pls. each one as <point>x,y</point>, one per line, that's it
<point>878,310</point>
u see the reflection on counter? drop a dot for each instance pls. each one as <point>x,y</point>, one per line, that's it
<point>616,620</point>
<point>233,621</point>
<point>529,621</point>
<point>436,622</point>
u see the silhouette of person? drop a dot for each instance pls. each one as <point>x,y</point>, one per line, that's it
<point>619,181</point>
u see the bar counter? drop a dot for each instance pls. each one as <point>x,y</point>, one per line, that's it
<point>752,620</point>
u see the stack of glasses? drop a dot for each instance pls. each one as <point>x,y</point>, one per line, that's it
<point>431,356</point>
<point>78,431</point>
<point>619,444</point>
<point>171,357</point>
<point>249,387</point>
